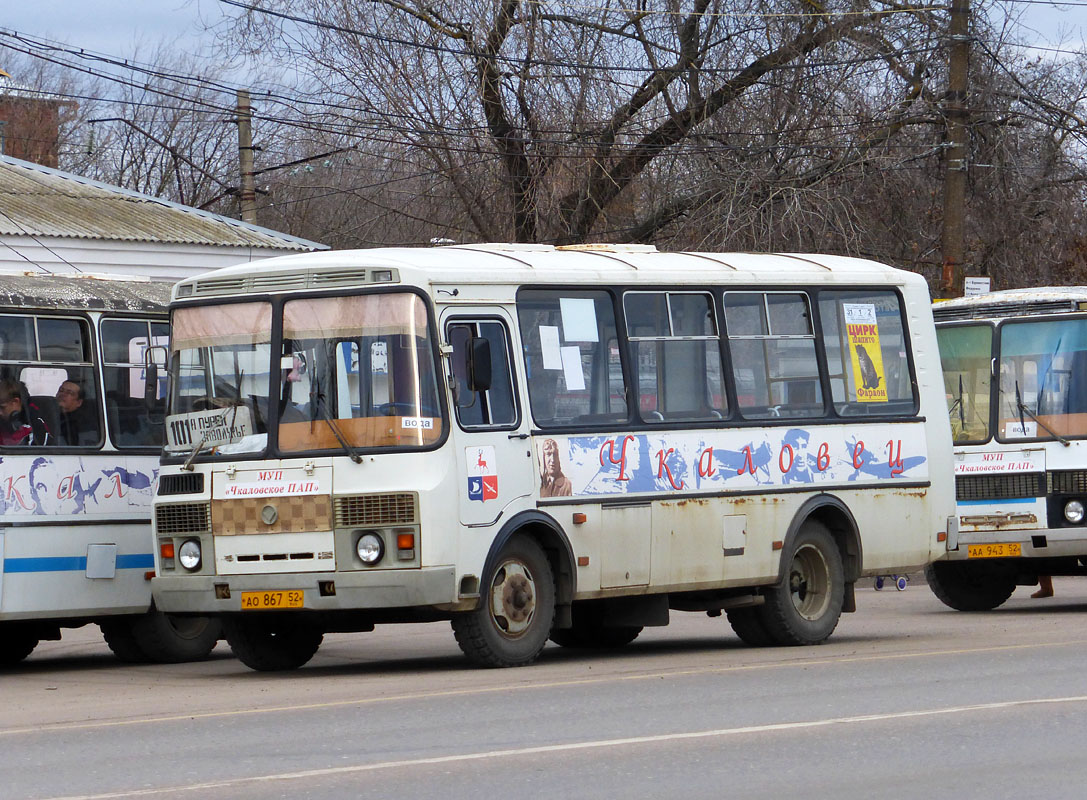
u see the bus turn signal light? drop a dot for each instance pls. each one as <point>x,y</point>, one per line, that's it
<point>167,549</point>
<point>405,541</point>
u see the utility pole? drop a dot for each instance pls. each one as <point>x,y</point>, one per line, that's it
<point>248,194</point>
<point>957,152</point>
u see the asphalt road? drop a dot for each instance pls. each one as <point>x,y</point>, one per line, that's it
<point>908,696</point>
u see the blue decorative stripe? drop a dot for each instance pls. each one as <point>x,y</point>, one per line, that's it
<point>74,563</point>
<point>1008,502</point>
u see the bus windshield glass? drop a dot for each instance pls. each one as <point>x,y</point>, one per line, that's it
<point>1043,379</point>
<point>966,355</point>
<point>220,360</point>
<point>357,372</point>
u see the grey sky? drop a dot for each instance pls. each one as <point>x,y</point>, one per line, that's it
<point>118,27</point>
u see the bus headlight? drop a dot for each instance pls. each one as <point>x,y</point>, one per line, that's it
<point>189,554</point>
<point>370,547</point>
<point>1073,511</point>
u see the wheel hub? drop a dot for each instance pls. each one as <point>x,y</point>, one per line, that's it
<point>513,599</point>
<point>809,583</point>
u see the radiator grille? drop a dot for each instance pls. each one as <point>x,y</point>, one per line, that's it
<point>1072,481</point>
<point>375,509</point>
<point>180,518</point>
<point>999,487</point>
<point>187,483</point>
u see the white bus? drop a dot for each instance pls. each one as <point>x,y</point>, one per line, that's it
<point>536,442</point>
<point>1015,376</point>
<point>80,435</point>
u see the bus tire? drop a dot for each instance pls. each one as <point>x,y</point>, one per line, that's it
<point>271,646</point>
<point>15,646</point>
<point>805,606</point>
<point>969,587</point>
<point>121,639</point>
<point>747,623</point>
<point>515,615</point>
<point>166,639</point>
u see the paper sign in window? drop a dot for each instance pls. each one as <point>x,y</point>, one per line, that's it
<point>869,380</point>
<point>549,347</point>
<point>578,319</point>
<point>571,369</point>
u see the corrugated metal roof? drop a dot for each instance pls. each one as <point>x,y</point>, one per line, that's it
<point>82,293</point>
<point>39,201</point>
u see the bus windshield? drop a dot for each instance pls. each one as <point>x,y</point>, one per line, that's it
<point>966,356</point>
<point>357,372</point>
<point>220,359</point>
<point>348,372</point>
<point>1043,379</point>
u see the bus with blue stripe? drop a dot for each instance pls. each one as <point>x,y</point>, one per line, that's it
<point>80,434</point>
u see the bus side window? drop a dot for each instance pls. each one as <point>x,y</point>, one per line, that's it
<point>476,406</point>
<point>772,344</point>
<point>569,339</point>
<point>677,355</point>
<point>131,419</point>
<point>865,345</point>
<point>58,387</point>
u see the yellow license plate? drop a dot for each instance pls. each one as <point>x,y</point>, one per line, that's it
<point>257,601</point>
<point>1002,550</point>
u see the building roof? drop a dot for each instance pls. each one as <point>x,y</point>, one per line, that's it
<point>39,201</point>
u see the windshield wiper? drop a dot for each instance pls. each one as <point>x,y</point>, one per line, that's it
<point>959,405</point>
<point>318,404</point>
<point>199,446</point>
<point>1031,414</point>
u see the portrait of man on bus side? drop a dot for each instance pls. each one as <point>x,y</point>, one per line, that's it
<point>78,417</point>
<point>552,482</point>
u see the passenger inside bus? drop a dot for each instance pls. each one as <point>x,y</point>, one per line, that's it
<point>21,422</point>
<point>78,419</point>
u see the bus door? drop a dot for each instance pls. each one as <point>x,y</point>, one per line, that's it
<point>494,458</point>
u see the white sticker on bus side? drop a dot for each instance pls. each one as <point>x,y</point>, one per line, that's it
<point>417,423</point>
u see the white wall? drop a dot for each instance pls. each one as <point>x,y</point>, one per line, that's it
<point>156,260</point>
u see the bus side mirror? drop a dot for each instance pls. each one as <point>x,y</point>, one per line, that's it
<point>479,365</point>
<point>151,358</point>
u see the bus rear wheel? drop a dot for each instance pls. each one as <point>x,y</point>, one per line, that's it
<point>15,646</point>
<point>804,608</point>
<point>271,645</point>
<point>970,587</point>
<point>167,639</point>
<point>161,638</point>
<point>513,621</point>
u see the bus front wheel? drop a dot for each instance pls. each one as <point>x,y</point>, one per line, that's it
<point>805,606</point>
<point>271,645</point>
<point>970,587</point>
<point>514,618</point>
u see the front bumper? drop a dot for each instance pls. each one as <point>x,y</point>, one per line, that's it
<point>433,587</point>
<point>1036,543</point>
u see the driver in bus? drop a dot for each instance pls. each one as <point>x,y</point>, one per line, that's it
<point>78,422</point>
<point>17,426</point>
